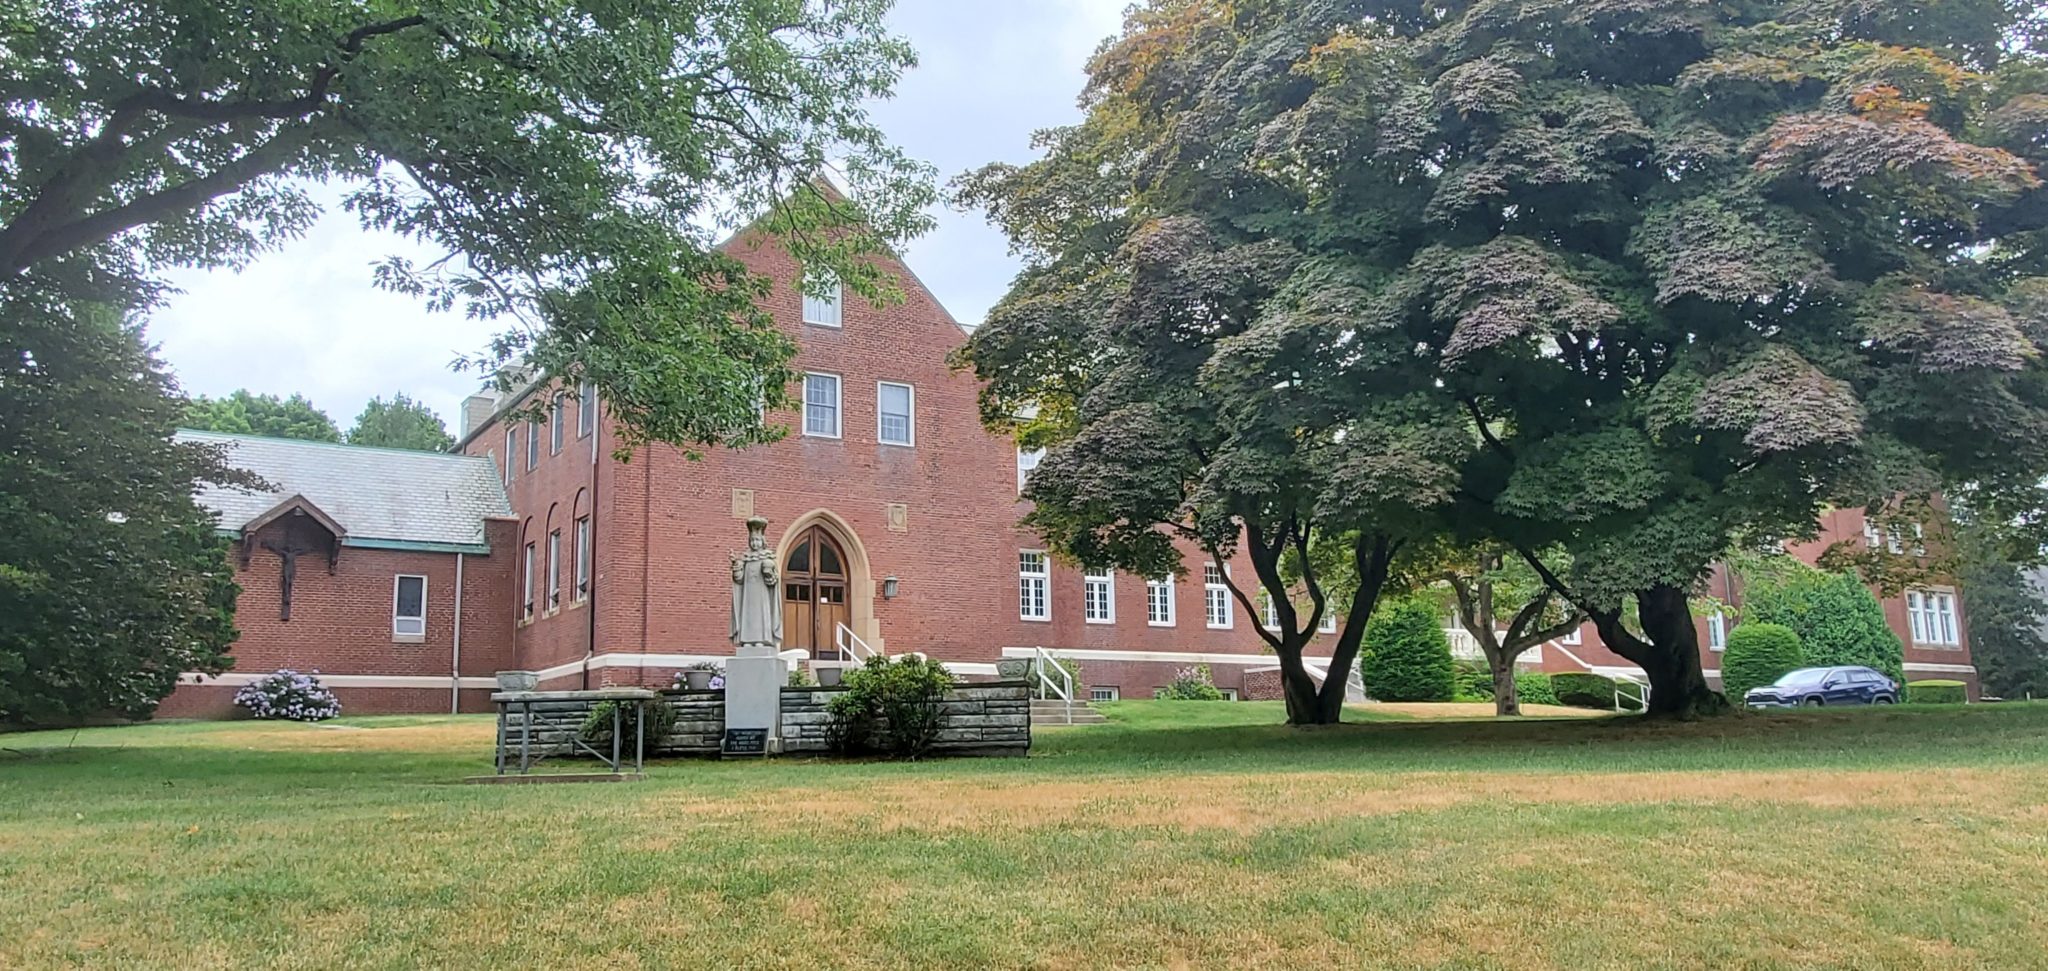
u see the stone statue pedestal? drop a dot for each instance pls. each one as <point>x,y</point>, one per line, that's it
<point>753,702</point>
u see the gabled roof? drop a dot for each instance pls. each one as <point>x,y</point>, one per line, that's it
<point>378,497</point>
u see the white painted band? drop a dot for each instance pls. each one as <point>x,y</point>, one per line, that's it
<point>236,679</point>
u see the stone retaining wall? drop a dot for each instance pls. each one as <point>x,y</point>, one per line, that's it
<point>987,718</point>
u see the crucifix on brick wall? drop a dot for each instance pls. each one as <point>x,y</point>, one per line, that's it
<point>292,532</point>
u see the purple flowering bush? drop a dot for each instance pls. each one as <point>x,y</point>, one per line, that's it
<point>289,695</point>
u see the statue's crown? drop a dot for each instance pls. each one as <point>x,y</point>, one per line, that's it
<point>757,524</point>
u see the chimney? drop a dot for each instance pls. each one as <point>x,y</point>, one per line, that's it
<point>476,409</point>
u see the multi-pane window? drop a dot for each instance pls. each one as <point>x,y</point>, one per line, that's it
<point>1717,631</point>
<point>1102,693</point>
<point>532,445</point>
<point>526,595</point>
<point>895,423</point>
<point>821,299</point>
<point>1933,617</point>
<point>409,606</point>
<point>583,559</point>
<point>1329,624</point>
<point>1098,596</point>
<point>586,410</point>
<point>511,452</point>
<point>554,568</point>
<point>1269,614</point>
<point>1027,460</point>
<point>555,417</point>
<point>1159,602</point>
<point>821,405</point>
<point>1573,637</point>
<point>1033,583</point>
<point>1215,598</point>
<point>1890,539</point>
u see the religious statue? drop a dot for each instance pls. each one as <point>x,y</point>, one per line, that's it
<point>756,603</point>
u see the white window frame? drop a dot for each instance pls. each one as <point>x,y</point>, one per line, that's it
<point>1933,618</point>
<point>1329,624</point>
<point>823,311</point>
<point>909,417</point>
<point>1216,599</point>
<point>1162,586</point>
<point>1104,692</point>
<point>408,636</point>
<point>526,607</point>
<point>1229,694</point>
<point>1717,631</point>
<point>1269,612</point>
<point>586,409</point>
<point>838,405</point>
<point>554,569</point>
<point>1030,582</point>
<point>1027,463</point>
<point>582,575</point>
<point>555,421</point>
<point>1098,588</point>
<point>532,445</point>
<point>511,452</point>
<point>1573,637</point>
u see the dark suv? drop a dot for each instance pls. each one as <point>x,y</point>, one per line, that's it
<point>1825,686</point>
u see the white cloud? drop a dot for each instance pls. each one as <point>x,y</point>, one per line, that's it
<point>307,319</point>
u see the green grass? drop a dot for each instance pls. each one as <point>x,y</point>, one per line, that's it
<point>1181,834</point>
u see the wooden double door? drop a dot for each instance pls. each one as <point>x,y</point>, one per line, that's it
<point>814,581</point>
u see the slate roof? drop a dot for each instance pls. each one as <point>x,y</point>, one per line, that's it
<point>381,496</point>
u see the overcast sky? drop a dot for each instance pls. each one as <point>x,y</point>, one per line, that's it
<point>306,319</point>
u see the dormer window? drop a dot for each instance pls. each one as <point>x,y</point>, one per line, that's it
<point>822,295</point>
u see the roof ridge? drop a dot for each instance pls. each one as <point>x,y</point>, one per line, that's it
<point>245,436</point>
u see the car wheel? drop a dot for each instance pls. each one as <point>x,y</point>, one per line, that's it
<point>1812,702</point>
<point>1883,700</point>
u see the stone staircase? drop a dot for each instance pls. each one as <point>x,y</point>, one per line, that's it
<point>1055,713</point>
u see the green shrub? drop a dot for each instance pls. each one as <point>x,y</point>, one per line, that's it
<point>1191,684</point>
<point>1589,690</point>
<point>799,678</point>
<point>1937,693</point>
<point>1534,688</point>
<point>1474,681</point>
<point>1837,618</point>
<point>891,706</point>
<point>1406,656</point>
<point>658,715</point>
<point>1757,655</point>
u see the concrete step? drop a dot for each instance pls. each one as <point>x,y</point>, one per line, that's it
<point>1056,713</point>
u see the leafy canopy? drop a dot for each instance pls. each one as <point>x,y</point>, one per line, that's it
<point>246,413</point>
<point>573,160</point>
<point>112,578</point>
<point>400,423</point>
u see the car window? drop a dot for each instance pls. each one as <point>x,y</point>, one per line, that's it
<point>1804,676</point>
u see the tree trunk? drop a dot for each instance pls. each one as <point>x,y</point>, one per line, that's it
<point>1298,688</point>
<point>1670,655</point>
<point>1505,699</point>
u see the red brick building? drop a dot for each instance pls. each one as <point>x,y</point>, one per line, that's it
<point>892,511</point>
<point>387,571</point>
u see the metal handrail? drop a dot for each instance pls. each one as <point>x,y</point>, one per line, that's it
<point>850,645</point>
<point>1041,660</point>
<point>1642,687</point>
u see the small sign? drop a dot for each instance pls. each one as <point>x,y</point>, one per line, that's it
<point>745,741</point>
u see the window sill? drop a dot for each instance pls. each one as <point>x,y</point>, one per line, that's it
<point>1159,623</point>
<point>1036,620</point>
<point>408,638</point>
<point>898,444</point>
<point>1220,626</point>
<point>1102,623</point>
<point>820,323</point>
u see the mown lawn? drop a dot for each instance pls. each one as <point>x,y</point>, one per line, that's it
<point>1182,835</point>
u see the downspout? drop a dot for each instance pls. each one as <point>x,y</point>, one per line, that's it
<point>590,596</point>
<point>455,657</point>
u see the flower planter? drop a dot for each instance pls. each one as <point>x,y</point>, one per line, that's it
<point>698,679</point>
<point>518,680</point>
<point>827,677</point>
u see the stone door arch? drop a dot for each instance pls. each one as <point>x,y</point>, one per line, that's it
<point>824,538</point>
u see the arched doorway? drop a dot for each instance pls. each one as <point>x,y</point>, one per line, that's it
<point>814,593</point>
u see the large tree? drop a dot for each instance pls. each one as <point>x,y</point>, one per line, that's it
<point>244,412</point>
<point>574,161</point>
<point>113,580</point>
<point>1690,271</point>
<point>400,423</point>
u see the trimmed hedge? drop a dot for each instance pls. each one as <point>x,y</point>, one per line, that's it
<point>1535,689</point>
<point>1757,655</point>
<point>1837,618</point>
<point>1406,656</point>
<point>1475,681</point>
<point>1937,693</point>
<point>1588,690</point>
